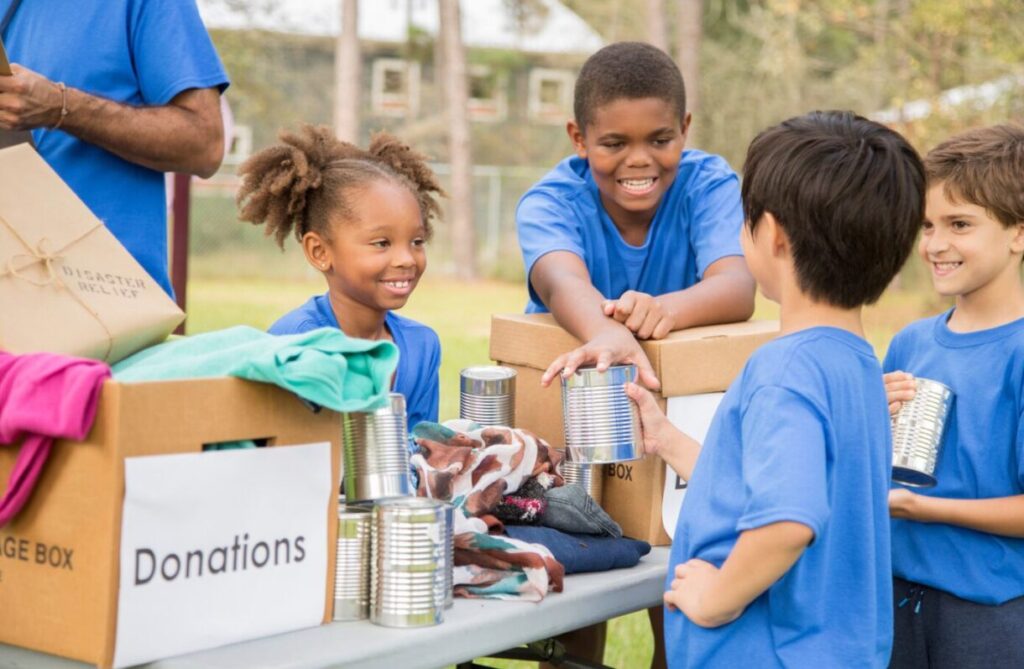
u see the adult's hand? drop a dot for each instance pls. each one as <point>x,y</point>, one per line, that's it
<point>28,100</point>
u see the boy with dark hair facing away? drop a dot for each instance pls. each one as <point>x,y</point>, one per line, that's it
<point>958,548</point>
<point>633,237</point>
<point>781,555</point>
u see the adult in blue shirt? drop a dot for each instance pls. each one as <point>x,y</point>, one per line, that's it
<point>632,238</point>
<point>116,93</point>
<point>419,349</point>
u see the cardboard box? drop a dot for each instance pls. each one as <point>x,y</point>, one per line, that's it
<point>66,284</point>
<point>698,360</point>
<point>67,605</point>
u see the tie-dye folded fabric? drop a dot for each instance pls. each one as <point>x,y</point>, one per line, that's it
<point>474,468</point>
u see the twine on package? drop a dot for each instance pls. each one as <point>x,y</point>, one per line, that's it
<point>19,262</point>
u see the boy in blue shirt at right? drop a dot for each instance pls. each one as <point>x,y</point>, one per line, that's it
<point>781,556</point>
<point>958,548</point>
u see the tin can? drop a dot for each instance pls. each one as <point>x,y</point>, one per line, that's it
<point>917,430</point>
<point>377,452</point>
<point>602,424</point>
<point>410,561</point>
<point>352,564</point>
<point>587,476</point>
<point>487,395</point>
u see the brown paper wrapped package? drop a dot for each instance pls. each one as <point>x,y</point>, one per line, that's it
<point>66,284</point>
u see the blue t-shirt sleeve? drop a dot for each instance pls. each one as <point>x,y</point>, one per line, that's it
<point>716,220</point>
<point>784,456</point>
<point>546,224</point>
<point>172,51</point>
<point>894,359</point>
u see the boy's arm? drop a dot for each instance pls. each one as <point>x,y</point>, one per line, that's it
<point>725,294</point>
<point>562,282</point>
<point>711,597</point>
<point>997,515</point>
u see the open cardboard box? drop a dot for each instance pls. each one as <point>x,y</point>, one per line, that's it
<point>688,362</point>
<point>59,559</point>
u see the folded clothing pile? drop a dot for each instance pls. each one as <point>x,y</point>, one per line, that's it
<point>473,468</point>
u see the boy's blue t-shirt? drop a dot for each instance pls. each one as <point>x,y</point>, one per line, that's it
<point>698,222</point>
<point>419,353</point>
<point>801,435</point>
<point>136,52</point>
<point>981,456</point>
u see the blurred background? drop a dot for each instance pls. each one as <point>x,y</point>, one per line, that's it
<point>484,87</point>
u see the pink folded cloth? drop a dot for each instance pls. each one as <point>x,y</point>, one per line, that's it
<point>43,397</point>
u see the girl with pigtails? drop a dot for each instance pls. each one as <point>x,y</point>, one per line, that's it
<point>363,218</point>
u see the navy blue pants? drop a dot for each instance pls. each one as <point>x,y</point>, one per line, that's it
<point>937,630</point>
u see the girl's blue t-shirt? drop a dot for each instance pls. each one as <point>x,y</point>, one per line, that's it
<point>981,456</point>
<point>698,222</point>
<point>802,435</point>
<point>419,353</point>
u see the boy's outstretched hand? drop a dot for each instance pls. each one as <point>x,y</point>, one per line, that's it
<point>658,431</point>
<point>643,314</point>
<point>660,436</point>
<point>900,387</point>
<point>693,581</point>
<point>613,346</point>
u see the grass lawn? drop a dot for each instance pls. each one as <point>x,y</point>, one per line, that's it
<point>460,313</point>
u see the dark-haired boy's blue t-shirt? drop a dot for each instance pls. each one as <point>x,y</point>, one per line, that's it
<point>698,222</point>
<point>419,353</point>
<point>981,456</point>
<point>802,435</point>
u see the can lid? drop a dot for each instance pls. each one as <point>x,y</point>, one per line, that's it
<point>584,377</point>
<point>488,380</point>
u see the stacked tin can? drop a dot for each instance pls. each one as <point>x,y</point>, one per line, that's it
<point>487,395</point>
<point>587,476</point>
<point>602,424</point>
<point>352,565</point>
<point>377,452</point>
<point>411,561</point>
<point>917,433</point>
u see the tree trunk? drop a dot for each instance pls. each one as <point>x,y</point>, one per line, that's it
<point>690,15</point>
<point>456,102</point>
<point>347,68</point>
<point>657,34</point>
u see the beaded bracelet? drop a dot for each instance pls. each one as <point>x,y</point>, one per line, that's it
<point>63,104</point>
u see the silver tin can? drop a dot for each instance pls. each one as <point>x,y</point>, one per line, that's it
<point>410,561</point>
<point>487,395</point>
<point>602,424</point>
<point>352,564</point>
<point>917,433</point>
<point>377,452</point>
<point>590,477</point>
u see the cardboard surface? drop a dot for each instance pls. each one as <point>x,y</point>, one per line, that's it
<point>75,289</point>
<point>688,362</point>
<point>59,564</point>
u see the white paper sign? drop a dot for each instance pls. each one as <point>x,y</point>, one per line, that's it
<point>692,414</point>
<point>220,547</point>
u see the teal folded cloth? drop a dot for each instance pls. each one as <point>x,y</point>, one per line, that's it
<point>323,366</point>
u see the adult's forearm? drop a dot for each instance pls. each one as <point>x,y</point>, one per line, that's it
<point>727,297</point>
<point>167,138</point>
<point>998,515</point>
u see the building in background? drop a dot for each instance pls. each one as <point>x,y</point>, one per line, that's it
<point>523,58</point>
